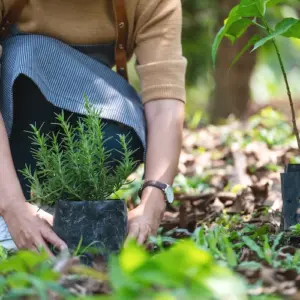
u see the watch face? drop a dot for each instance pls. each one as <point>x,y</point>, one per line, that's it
<point>169,194</point>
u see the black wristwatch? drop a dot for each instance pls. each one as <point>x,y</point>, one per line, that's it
<point>165,188</point>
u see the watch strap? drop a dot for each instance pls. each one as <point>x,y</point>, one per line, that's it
<point>153,183</point>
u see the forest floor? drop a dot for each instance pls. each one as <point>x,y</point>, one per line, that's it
<point>228,202</point>
<point>230,178</point>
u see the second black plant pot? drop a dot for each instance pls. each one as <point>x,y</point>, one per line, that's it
<point>99,225</point>
<point>290,189</point>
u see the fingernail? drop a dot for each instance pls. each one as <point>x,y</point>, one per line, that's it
<point>63,247</point>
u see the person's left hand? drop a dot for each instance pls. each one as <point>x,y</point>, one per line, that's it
<point>144,220</point>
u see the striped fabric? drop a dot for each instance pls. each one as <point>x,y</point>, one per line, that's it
<point>65,75</point>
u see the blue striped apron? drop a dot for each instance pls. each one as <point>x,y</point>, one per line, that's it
<point>65,75</point>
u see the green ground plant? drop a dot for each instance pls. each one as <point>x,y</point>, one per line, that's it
<point>203,269</point>
<point>134,274</point>
<point>74,163</point>
<point>295,229</point>
<point>29,274</point>
<point>268,126</point>
<point>226,246</point>
<point>195,275</point>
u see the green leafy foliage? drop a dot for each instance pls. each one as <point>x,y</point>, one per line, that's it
<point>252,13</point>
<point>269,127</point>
<point>74,163</point>
<point>134,274</point>
<point>282,28</point>
<point>226,246</point>
<point>198,269</point>
<point>29,274</point>
<point>195,275</point>
<point>202,20</point>
<point>295,229</point>
<point>192,184</point>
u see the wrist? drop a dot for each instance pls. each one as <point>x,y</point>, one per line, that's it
<point>13,212</point>
<point>165,189</point>
<point>155,197</point>
<point>13,204</point>
<point>11,196</point>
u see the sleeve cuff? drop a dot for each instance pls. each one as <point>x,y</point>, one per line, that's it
<point>163,80</point>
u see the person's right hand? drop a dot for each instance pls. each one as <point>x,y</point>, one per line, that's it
<point>29,230</point>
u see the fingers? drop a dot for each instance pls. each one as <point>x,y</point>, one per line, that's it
<point>41,245</point>
<point>49,236</point>
<point>46,234</point>
<point>143,236</point>
<point>139,233</point>
<point>134,230</point>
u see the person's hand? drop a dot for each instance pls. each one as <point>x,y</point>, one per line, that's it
<point>29,230</point>
<point>144,220</point>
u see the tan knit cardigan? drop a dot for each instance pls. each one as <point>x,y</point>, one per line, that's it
<point>154,35</point>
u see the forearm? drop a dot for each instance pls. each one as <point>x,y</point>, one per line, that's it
<point>10,189</point>
<point>165,123</point>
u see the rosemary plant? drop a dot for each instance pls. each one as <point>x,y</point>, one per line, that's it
<point>74,163</point>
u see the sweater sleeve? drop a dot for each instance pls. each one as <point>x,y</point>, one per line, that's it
<point>160,64</point>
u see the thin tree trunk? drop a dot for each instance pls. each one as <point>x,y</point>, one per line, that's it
<point>232,92</point>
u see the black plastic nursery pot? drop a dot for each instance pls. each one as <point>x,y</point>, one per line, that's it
<point>101,226</point>
<point>290,189</point>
